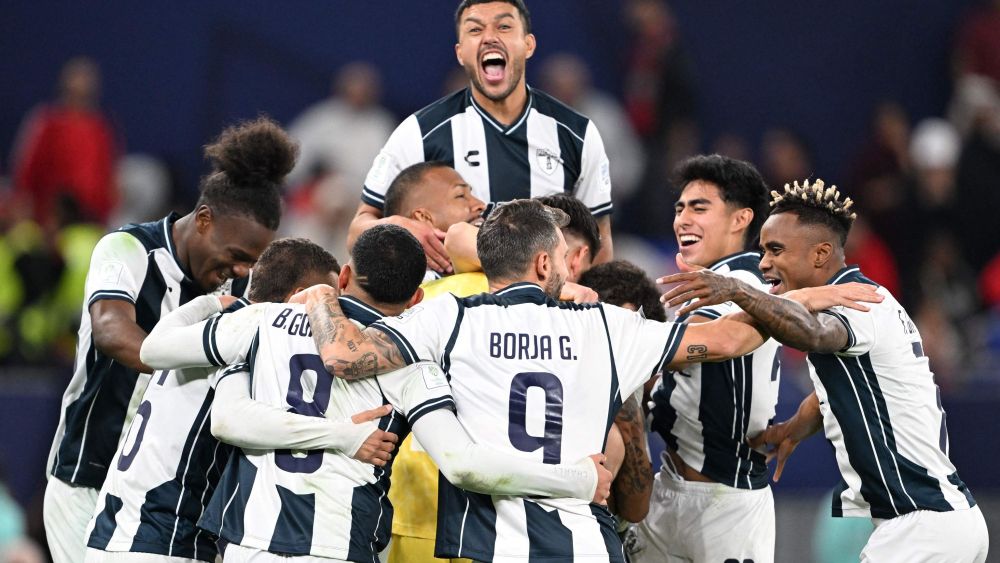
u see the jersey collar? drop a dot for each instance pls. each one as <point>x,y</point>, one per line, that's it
<point>358,310</point>
<point>496,124</point>
<point>846,274</point>
<point>523,291</point>
<point>744,260</point>
<point>168,238</point>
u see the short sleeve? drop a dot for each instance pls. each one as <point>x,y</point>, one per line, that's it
<point>405,147</point>
<point>226,338</point>
<point>417,390</point>
<point>860,329</point>
<point>640,346</point>
<point>593,187</point>
<point>423,330</point>
<point>117,269</point>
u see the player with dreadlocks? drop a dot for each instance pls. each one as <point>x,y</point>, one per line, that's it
<point>875,395</point>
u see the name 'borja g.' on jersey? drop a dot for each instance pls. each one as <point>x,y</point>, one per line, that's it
<point>540,380</point>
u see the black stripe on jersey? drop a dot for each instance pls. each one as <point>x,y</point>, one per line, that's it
<point>405,349</point>
<point>960,485</point>
<point>239,289</point>
<point>235,368</point>
<point>602,209</point>
<point>890,483</point>
<point>251,356</point>
<point>851,338</point>
<point>446,357</point>
<point>509,168</point>
<point>371,511</point>
<point>440,112</point>
<point>208,342</point>
<point>548,538</point>
<point>670,348</point>
<point>439,145</point>
<point>227,509</point>
<point>838,501</point>
<point>613,543</point>
<point>94,420</point>
<point>357,310</point>
<point>293,530</point>
<point>664,415</point>
<point>746,261</point>
<point>372,198</point>
<point>466,523</point>
<point>430,406</point>
<point>110,295</point>
<point>169,515</point>
<point>105,524</point>
<point>615,400</point>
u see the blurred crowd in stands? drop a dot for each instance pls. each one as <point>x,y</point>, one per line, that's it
<point>924,188</point>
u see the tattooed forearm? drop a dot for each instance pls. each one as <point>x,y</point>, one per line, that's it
<point>634,483</point>
<point>349,352</point>
<point>790,323</point>
<point>697,352</point>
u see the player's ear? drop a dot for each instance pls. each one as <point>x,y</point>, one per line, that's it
<point>345,276</point>
<point>542,265</point>
<point>822,253</point>
<point>423,215</point>
<point>741,219</point>
<point>529,41</point>
<point>203,219</point>
<point>458,53</point>
<point>418,296</point>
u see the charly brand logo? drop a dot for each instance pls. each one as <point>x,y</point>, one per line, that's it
<point>547,160</point>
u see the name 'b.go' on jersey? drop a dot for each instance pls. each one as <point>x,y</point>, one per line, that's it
<point>319,503</point>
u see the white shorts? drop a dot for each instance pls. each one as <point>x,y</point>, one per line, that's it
<point>100,556</point>
<point>959,536</point>
<point>236,553</point>
<point>67,512</point>
<point>692,521</point>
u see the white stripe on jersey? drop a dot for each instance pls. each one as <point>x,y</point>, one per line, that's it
<point>474,169</point>
<point>546,167</point>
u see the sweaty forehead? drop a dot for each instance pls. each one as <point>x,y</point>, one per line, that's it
<point>243,233</point>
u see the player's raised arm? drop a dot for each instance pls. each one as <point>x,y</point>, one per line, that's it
<point>187,337</point>
<point>785,320</point>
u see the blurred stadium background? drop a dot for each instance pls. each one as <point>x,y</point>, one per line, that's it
<point>896,102</point>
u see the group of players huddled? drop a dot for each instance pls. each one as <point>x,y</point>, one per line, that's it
<point>248,398</point>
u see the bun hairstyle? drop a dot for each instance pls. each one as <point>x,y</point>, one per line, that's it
<point>249,163</point>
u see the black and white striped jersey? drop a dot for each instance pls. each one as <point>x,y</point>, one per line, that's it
<point>166,469</point>
<point>705,411</point>
<point>882,412</point>
<point>138,264</point>
<point>321,503</point>
<point>549,149</point>
<point>539,380</point>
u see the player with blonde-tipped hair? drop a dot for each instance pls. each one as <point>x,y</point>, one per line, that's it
<point>875,395</point>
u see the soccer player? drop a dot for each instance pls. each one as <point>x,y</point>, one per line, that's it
<point>875,395</point>
<point>169,463</point>
<point>273,504</point>
<point>434,194</point>
<point>711,500</point>
<point>136,274</point>
<point>508,140</point>
<point>530,375</point>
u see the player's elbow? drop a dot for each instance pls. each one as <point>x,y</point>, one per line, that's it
<point>460,472</point>
<point>634,511</point>
<point>224,425</point>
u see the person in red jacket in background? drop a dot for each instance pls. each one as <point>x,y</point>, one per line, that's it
<point>68,147</point>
